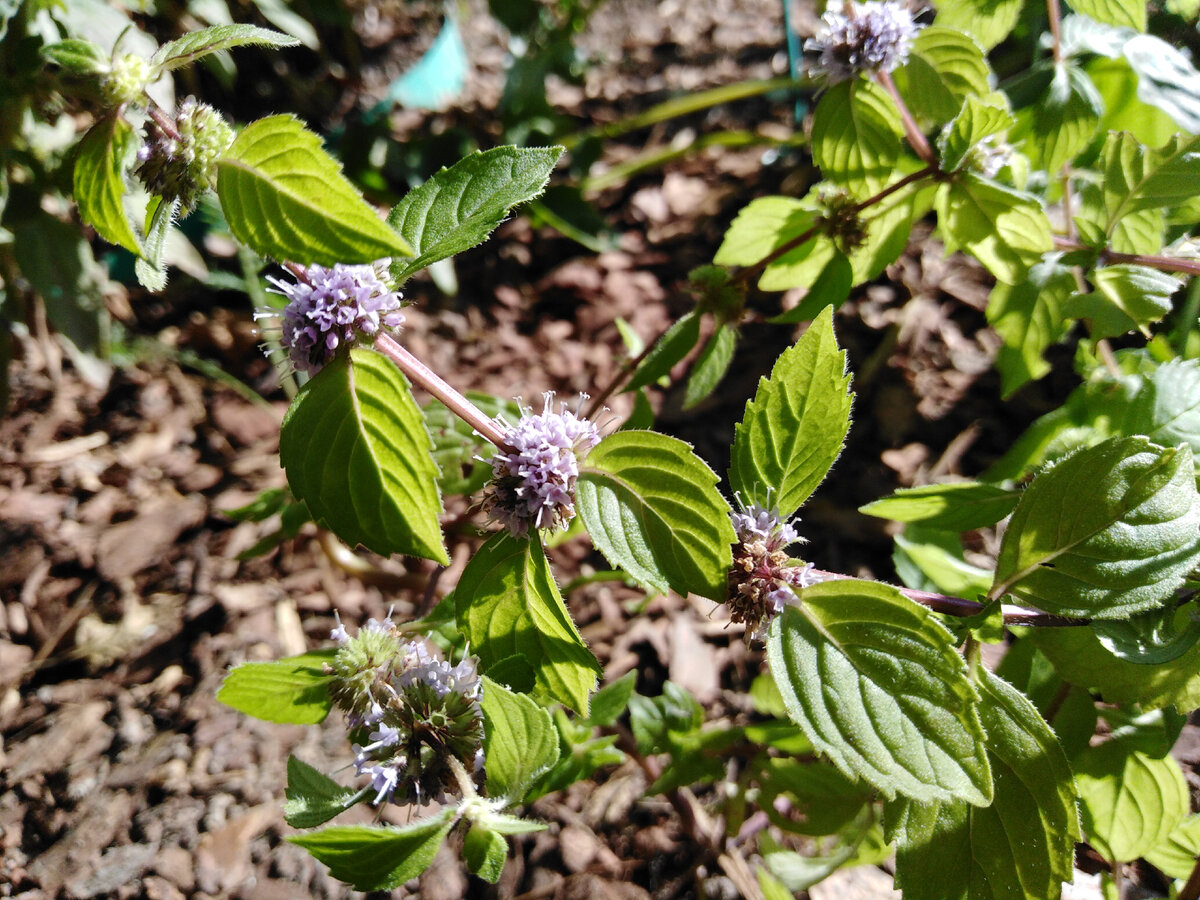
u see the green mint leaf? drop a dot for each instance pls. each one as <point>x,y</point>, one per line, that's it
<point>313,798</point>
<point>987,21</point>
<point>294,691</point>
<point>858,658</point>
<point>959,506</point>
<point>77,57</point>
<point>1131,801</point>
<point>1166,79</point>
<point>762,226</point>
<point>975,121</point>
<point>1005,229</point>
<point>831,288</point>
<point>1029,318</point>
<point>1176,855</point>
<point>611,700</point>
<point>285,197</point>
<point>100,181</point>
<point>1126,298</point>
<point>459,451</point>
<point>945,68</point>
<point>1122,13</point>
<point>931,560</point>
<point>1023,845</point>
<point>856,137</point>
<point>507,605</point>
<point>653,509</point>
<point>711,365</point>
<point>1062,120</point>
<point>460,206</point>
<point>1136,178</point>
<point>356,451</point>
<point>372,858</point>
<point>1107,532</point>
<point>520,741</point>
<point>794,428</point>
<point>485,853</point>
<point>191,47</point>
<point>151,269</point>
<point>673,346</point>
<point>654,720</point>
<point>1151,638</point>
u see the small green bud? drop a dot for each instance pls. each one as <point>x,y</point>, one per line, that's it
<point>127,80</point>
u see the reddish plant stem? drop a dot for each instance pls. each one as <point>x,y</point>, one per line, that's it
<point>164,123</point>
<point>912,133</point>
<point>1191,889</point>
<point>1170,264</point>
<point>1055,15</point>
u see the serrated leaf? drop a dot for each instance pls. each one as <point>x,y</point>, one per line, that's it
<point>711,365</point>
<point>674,345</point>
<point>1136,178</point>
<point>507,605</point>
<point>1023,845</point>
<point>1131,801</point>
<point>652,508</point>
<point>988,21</point>
<point>958,506</point>
<point>1107,532</point>
<point>356,451</point>
<point>1127,298</point>
<point>1029,318</point>
<point>1063,120</point>
<point>874,681</point>
<point>285,197</point>
<point>378,859</point>
<point>294,691</point>
<point>1166,79</point>
<point>314,798</point>
<point>762,226</point>
<point>151,270</point>
<point>794,428</point>
<point>975,122</point>
<point>460,452</point>
<point>945,67</point>
<point>100,183</point>
<point>1122,13</point>
<point>197,44</point>
<point>460,206</point>
<point>1005,229</point>
<point>1176,855</point>
<point>485,852</point>
<point>856,136</point>
<point>520,741</point>
<point>77,57</point>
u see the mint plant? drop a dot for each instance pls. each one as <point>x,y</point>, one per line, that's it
<point>880,727</point>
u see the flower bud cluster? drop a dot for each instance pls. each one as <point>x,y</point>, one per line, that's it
<point>533,483</point>
<point>409,712</point>
<point>332,308</point>
<point>127,80</point>
<point>763,577</point>
<point>183,165</point>
<point>863,37</point>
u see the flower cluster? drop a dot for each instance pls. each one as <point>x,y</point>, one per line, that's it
<point>331,308</point>
<point>183,165</point>
<point>863,37</point>
<point>763,577</point>
<point>409,712</point>
<point>533,482</point>
<point>127,80</point>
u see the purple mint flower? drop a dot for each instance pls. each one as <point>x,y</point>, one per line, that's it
<point>533,485</point>
<point>383,780</point>
<point>756,523</point>
<point>863,37</point>
<point>421,667</point>
<point>332,308</point>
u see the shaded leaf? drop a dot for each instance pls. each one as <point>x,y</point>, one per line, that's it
<point>313,798</point>
<point>673,346</point>
<point>520,741</point>
<point>957,506</point>
<point>711,365</point>
<point>1029,318</point>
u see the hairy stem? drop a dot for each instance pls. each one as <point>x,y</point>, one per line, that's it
<point>164,123</point>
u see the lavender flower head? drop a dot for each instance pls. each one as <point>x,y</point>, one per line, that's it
<point>756,523</point>
<point>533,484</point>
<point>863,37</point>
<point>332,308</point>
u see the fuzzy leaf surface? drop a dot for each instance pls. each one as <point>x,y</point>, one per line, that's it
<point>794,428</point>
<point>520,741</point>
<point>356,451</point>
<point>100,182</point>
<point>378,859</point>
<point>459,207</point>
<point>1108,532</point>
<point>193,46</point>
<point>285,197</point>
<point>313,798</point>
<point>294,691</point>
<point>653,509</point>
<point>151,269</point>
<point>507,605</point>
<point>876,684</point>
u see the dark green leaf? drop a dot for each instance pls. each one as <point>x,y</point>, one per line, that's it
<point>374,858</point>
<point>673,346</point>
<point>193,46</point>
<point>77,57</point>
<point>1029,318</point>
<point>294,691</point>
<point>1152,638</point>
<point>711,365</point>
<point>485,852</point>
<point>1064,119</point>
<point>313,798</point>
<point>654,720</point>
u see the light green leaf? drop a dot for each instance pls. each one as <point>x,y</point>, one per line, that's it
<point>831,288</point>
<point>988,21</point>
<point>193,46</point>
<point>1136,178</point>
<point>711,365</point>
<point>931,560</point>
<point>100,181</point>
<point>1176,855</point>
<point>77,57</point>
<point>856,136</point>
<point>1123,111</point>
<point>763,226</point>
<point>285,197</point>
<point>673,346</point>
<point>1005,229</point>
<point>485,852</point>
<point>1023,845</point>
<point>314,798</point>
<point>1107,532</point>
<point>1029,318</point>
<point>1122,13</point>
<point>356,452</point>
<point>652,508</point>
<point>459,451</point>
<point>294,691</point>
<point>1063,120</point>
<point>378,859</point>
<point>151,269</point>
<point>875,682</point>
<point>1131,801</point>
<point>507,605</point>
<point>1126,298</point>
<point>976,121</point>
<point>945,67</point>
<point>794,428</point>
<point>958,506</point>
<point>460,206</point>
<point>610,701</point>
<point>1166,79</point>
<point>520,741</point>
